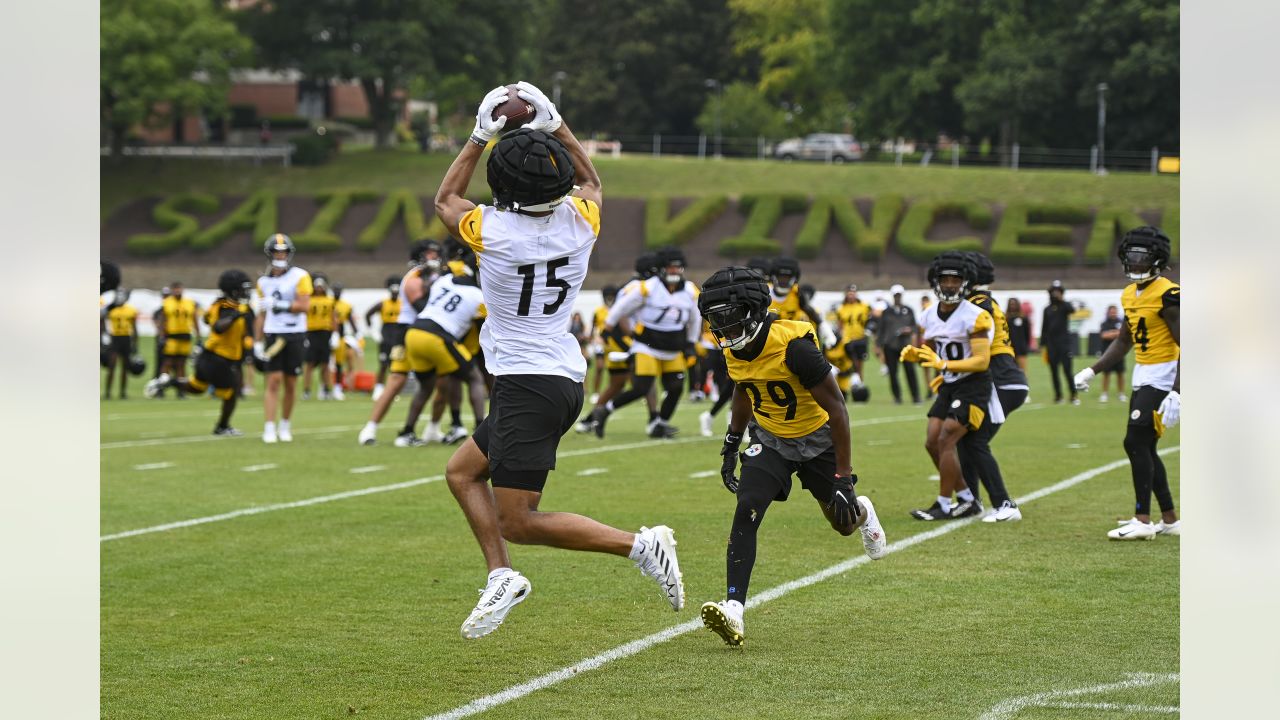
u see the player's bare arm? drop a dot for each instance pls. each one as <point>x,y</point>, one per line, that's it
<point>1172,316</point>
<point>451,204</point>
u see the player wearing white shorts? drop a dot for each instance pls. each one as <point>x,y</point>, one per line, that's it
<point>533,245</point>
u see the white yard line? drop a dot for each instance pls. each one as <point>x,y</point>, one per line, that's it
<point>366,469</point>
<point>704,474</point>
<point>258,468</point>
<point>153,466</point>
<point>212,437</point>
<point>1010,708</point>
<point>591,471</point>
<point>516,692</point>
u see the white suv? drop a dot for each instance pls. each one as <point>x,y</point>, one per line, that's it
<point>827,147</point>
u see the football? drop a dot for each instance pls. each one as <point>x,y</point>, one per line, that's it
<point>517,110</point>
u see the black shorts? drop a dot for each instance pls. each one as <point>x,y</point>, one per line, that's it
<point>771,471</point>
<point>964,401</point>
<point>1143,404</point>
<point>1118,369</point>
<point>856,349</point>
<point>213,369</point>
<point>528,414</point>
<point>392,337</point>
<point>318,346</point>
<point>1010,400</point>
<point>121,345</point>
<point>289,359</point>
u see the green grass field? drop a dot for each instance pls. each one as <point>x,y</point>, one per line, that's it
<point>352,605</point>
<point>642,176</point>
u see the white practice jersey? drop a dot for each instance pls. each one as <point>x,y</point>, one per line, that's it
<point>452,307</point>
<point>292,283</point>
<point>950,337</point>
<point>407,312</point>
<point>531,269</point>
<point>655,309</point>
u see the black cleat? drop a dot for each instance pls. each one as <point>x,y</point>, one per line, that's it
<point>966,508</point>
<point>600,415</point>
<point>934,512</point>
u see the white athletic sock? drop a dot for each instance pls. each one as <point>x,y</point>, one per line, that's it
<point>636,548</point>
<point>498,571</point>
<point>609,406</point>
<point>945,502</point>
<point>268,427</point>
<point>857,379</point>
<point>433,427</point>
<point>965,494</point>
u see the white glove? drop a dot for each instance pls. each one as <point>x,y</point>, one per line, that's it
<point>828,337</point>
<point>282,306</point>
<point>1170,408</point>
<point>617,356</point>
<point>260,350</point>
<point>884,369</point>
<point>106,338</point>
<point>333,341</point>
<point>1082,379</point>
<point>486,127</point>
<point>545,118</point>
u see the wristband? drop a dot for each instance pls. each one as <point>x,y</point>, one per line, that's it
<point>478,140</point>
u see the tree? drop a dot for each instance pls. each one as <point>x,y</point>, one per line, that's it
<point>753,115</point>
<point>381,44</point>
<point>162,59</point>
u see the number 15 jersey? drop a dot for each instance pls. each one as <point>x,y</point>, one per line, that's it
<point>531,269</point>
<point>950,335</point>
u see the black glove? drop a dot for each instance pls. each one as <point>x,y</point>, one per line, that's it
<point>729,463</point>
<point>690,351</point>
<point>844,503</point>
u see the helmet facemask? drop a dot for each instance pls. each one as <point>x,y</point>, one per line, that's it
<point>783,281</point>
<point>1140,263</point>
<point>954,293</point>
<point>733,325</point>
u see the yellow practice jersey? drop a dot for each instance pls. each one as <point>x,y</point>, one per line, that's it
<point>320,313</point>
<point>121,320</point>
<point>343,309</point>
<point>1000,344</point>
<point>390,311</point>
<point>853,319</point>
<point>1152,340</point>
<point>788,308</point>
<point>777,380</point>
<point>229,343</point>
<point>597,320</point>
<point>179,315</point>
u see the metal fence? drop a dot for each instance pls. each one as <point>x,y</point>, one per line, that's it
<point>256,153</point>
<point>953,155</point>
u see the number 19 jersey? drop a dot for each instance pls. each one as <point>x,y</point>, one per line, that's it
<point>531,269</point>
<point>950,335</point>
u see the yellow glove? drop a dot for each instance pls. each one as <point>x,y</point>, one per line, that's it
<point>1044,355</point>
<point>909,353</point>
<point>929,358</point>
<point>935,383</point>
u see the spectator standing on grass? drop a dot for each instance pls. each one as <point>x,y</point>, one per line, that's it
<point>1110,330</point>
<point>897,329</point>
<point>1019,332</point>
<point>533,246</point>
<point>1057,341</point>
<point>280,334</point>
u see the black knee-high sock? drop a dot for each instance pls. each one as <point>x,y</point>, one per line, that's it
<point>673,384</point>
<point>640,385</point>
<point>726,396</point>
<point>968,469</point>
<point>1139,445</point>
<point>741,556</point>
<point>979,451</point>
<point>1160,481</point>
<point>228,407</point>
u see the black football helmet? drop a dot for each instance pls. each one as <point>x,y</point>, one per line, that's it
<point>647,265</point>
<point>426,252</point>
<point>671,264</point>
<point>735,302</point>
<point>337,290</point>
<point>760,265</point>
<point>108,276</point>
<point>951,263</point>
<point>807,292</point>
<point>785,273</point>
<point>860,393</point>
<point>1145,253</point>
<point>235,284</point>
<point>609,293</point>
<point>984,270</point>
<point>392,284</point>
<point>529,170</point>
<point>137,365</point>
<point>320,282</point>
<point>279,243</point>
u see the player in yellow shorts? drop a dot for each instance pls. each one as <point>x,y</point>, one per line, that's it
<point>219,365</point>
<point>122,326</point>
<point>180,330</point>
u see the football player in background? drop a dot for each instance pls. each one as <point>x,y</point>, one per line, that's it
<point>219,364</point>
<point>664,309</point>
<point>608,294</point>
<point>1152,310</point>
<point>957,336</point>
<point>283,293</point>
<point>460,260</point>
<point>851,318</point>
<point>533,247</point>
<point>122,328</point>
<point>786,395</point>
<point>321,322</point>
<point>180,330</point>
<point>347,352</point>
<point>424,266</point>
<point>391,333</point>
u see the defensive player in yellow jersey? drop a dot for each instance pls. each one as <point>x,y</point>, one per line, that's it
<point>598,341</point>
<point>122,327</point>
<point>219,364</point>
<point>322,320</point>
<point>852,316</point>
<point>957,337</point>
<point>392,333</point>
<point>348,353</point>
<point>180,330</point>
<point>1152,305</point>
<point>786,395</point>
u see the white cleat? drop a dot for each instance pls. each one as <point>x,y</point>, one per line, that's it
<point>408,440</point>
<point>269,437</point>
<point>1173,528</point>
<point>155,385</point>
<point>1007,512</point>
<point>456,434</point>
<point>338,394</point>
<point>1134,529</point>
<point>285,434</point>
<point>658,561</point>
<point>496,600</point>
<point>432,435</point>
<point>724,620</point>
<point>1122,397</point>
<point>368,436</point>
<point>873,540</point>
<point>704,423</point>
<point>1102,398</point>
